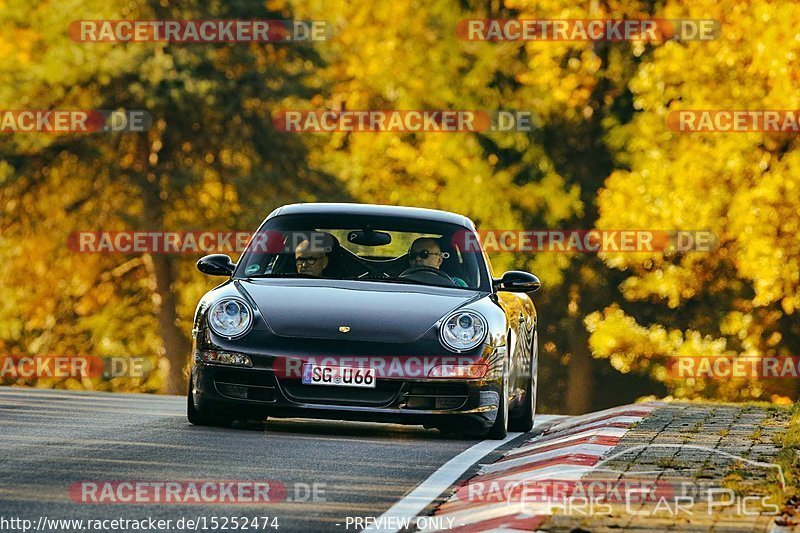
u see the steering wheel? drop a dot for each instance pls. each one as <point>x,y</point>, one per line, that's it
<point>422,273</point>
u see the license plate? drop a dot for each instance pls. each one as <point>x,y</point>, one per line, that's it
<point>341,376</point>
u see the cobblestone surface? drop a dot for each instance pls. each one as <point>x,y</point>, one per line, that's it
<point>691,453</point>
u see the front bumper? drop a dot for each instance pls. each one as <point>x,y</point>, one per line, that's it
<point>471,405</point>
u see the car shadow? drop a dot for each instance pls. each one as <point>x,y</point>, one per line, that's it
<point>344,428</point>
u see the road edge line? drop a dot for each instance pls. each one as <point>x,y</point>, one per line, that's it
<point>424,494</point>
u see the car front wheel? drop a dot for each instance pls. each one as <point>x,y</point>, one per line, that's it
<point>199,418</point>
<point>499,429</point>
<point>523,421</point>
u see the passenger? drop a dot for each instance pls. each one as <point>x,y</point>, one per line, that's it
<point>426,251</point>
<point>310,260</point>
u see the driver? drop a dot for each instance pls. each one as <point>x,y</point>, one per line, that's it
<point>426,251</point>
<point>309,259</point>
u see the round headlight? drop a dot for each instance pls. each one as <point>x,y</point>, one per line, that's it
<point>230,317</point>
<point>463,330</point>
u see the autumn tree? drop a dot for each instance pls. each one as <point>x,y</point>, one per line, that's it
<point>210,160</point>
<point>742,298</point>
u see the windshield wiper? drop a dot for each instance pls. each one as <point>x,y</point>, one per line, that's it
<point>391,280</point>
<point>405,281</point>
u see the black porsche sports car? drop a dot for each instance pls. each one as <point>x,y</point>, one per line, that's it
<point>366,312</point>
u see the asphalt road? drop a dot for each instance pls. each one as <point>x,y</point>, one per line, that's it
<point>52,440</point>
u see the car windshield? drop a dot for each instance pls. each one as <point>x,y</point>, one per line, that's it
<point>368,249</point>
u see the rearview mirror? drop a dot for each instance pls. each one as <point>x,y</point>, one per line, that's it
<point>369,238</point>
<point>517,281</point>
<point>216,265</point>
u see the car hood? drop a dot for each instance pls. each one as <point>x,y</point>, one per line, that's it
<point>382,313</point>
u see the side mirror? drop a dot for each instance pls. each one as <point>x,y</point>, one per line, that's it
<point>517,281</point>
<point>216,265</point>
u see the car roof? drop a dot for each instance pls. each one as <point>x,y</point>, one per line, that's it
<point>395,211</point>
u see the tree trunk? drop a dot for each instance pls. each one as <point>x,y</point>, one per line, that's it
<point>175,342</point>
<point>580,381</point>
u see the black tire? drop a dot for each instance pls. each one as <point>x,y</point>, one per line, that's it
<point>499,429</point>
<point>198,418</point>
<point>524,420</point>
